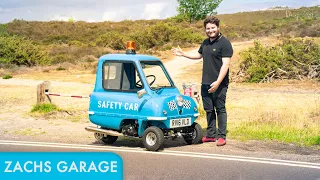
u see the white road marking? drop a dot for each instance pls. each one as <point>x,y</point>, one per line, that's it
<point>168,152</point>
<point>245,157</point>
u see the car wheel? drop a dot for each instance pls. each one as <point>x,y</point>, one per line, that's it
<point>153,138</point>
<point>196,136</point>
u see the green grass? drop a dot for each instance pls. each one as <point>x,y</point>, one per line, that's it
<point>264,131</point>
<point>285,118</point>
<point>257,130</point>
<point>44,108</point>
<point>7,76</point>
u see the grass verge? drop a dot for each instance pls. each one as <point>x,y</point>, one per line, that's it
<point>306,136</point>
<point>286,118</point>
<point>44,108</point>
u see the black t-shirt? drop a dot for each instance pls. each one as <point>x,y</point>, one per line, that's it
<point>212,53</point>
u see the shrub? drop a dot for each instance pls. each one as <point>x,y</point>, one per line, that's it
<point>112,40</point>
<point>167,47</point>
<point>178,19</point>
<point>61,58</point>
<point>76,43</point>
<point>3,31</point>
<point>187,35</point>
<point>59,39</point>
<point>89,58</point>
<point>295,58</point>
<point>60,68</point>
<point>7,76</point>
<point>73,54</point>
<point>20,51</point>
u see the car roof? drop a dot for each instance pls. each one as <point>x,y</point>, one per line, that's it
<point>128,57</point>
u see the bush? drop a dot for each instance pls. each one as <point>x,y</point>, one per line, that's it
<point>3,31</point>
<point>90,58</point>
<point>7,76</point>
<point>60,68</point>
<point>187,36</point>
<point>19,51</point>
<point>112,40</point>
<point>61,58</point>
<point>76,43</point>
<point>178,19</point>
<point>293,59</point>
<point>73,54</point>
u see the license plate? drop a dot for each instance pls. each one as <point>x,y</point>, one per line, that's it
<point>182,122</point>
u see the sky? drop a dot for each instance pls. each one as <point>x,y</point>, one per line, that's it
<point>118,10</point>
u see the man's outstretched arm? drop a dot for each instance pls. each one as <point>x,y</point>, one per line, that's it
<point>179,52</point>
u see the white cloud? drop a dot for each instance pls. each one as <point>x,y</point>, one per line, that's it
<point>60,18</point>
<point>153,10</point>
<point>111,16</point>
<point>91,20</point>
<point>119,15</point>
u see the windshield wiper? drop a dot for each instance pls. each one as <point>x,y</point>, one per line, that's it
<point>160,88</point>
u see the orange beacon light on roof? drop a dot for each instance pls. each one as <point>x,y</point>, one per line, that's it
<point>131,47</point>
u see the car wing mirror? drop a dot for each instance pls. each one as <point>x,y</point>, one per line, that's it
<point>141,93</point>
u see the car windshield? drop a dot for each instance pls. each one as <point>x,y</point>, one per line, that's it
<point>156,75</point>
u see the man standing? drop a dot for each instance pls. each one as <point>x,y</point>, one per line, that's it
<point>216,52</point>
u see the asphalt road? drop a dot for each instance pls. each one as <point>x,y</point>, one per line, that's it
<point>166,164</point>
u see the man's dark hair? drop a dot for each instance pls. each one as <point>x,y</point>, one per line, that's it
<point>212,20</point>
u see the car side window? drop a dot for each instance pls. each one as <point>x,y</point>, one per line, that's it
<point>120,76</point>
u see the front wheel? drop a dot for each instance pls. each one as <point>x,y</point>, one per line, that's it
<point>196,135</point>
<point>153,138</point>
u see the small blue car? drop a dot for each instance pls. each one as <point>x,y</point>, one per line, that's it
<point>134,96</point>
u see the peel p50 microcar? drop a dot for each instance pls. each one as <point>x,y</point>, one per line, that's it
<point>134,96</point>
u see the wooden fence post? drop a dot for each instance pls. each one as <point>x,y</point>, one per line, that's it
<point>41,90</point>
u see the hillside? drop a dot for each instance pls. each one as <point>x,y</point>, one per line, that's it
<point>32,43</point>
<point>296,22</point>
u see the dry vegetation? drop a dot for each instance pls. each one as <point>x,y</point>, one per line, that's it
<point>76,42</point>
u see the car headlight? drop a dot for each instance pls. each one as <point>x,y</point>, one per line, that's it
<point>179,100</point>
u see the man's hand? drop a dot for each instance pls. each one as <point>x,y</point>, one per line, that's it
<point>177,51</point>
<point>214,87</point>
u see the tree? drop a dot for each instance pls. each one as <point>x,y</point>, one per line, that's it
<point>71,20</point>
<point>196,10</point>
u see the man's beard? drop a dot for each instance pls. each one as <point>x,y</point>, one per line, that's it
<point>216,34</point>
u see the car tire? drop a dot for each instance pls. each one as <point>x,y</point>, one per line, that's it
<point>153,138</point>
<point>197,134</point>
